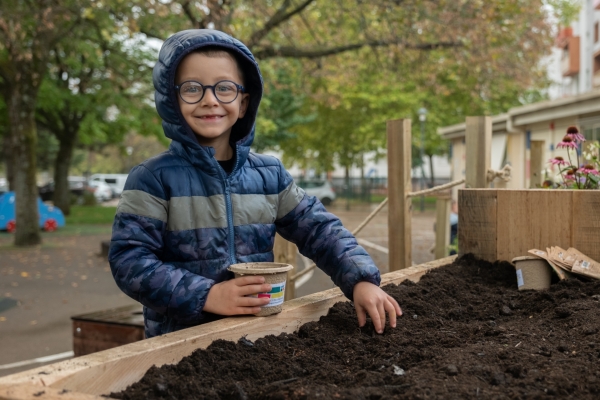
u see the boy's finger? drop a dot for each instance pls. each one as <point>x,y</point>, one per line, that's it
<point>253,289</point>
<point>247,310</point>
<point>252,301</point>
<point>249,280</point>
<point>391,310</point>
<point>362,316</point>
<point>374,314</point>
<point>381,310</point>
<point>396,305</point>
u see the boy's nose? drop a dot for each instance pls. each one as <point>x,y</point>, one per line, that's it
<point>209,98</point>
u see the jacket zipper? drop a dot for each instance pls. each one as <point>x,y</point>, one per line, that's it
<point>229,207</point>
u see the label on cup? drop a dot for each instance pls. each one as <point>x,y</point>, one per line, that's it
<point>276,294</point>
<point>520,278</point>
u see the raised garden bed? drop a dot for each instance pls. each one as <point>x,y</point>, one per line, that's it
<point>113,370</point>
<point>466,332</point>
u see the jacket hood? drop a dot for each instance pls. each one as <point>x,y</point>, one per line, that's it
<point>173,50</point>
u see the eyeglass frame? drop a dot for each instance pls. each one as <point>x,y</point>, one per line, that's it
<point>240,88</point>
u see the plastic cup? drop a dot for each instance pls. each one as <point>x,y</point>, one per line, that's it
<point>275,274</point>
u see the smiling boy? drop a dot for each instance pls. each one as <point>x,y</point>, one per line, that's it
<point>209,202</point>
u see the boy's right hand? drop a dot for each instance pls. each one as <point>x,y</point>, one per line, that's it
<point>229,297</point>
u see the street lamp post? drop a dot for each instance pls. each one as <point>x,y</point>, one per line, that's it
<point>129,151</point>
<point>422,116</point>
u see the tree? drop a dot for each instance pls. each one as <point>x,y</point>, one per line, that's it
<point>97,86</point>
<point>28,30</point>
<point>486,54</point>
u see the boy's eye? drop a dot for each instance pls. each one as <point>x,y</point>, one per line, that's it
<point>192,89</point>
<point>225,88</point>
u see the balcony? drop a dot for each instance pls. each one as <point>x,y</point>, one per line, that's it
<point>570,57</point>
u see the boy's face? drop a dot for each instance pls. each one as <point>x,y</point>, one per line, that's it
<point>210,119</point>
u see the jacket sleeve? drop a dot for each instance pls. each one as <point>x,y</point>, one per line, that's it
<point>320,236</point>
<point>136,248</point>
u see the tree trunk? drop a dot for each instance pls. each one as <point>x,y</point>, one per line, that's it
<point>431,176</point>
<point>10,162</point>
<point>23,135</point>
<point>62,194</point>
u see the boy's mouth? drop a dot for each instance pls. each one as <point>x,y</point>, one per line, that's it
<point>211,117</point>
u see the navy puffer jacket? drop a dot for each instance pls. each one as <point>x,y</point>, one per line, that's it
<point>182,220</point>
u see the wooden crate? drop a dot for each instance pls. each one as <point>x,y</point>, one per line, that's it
<point>112,370</point>
<point>500,224</point>
<point>106,329</point>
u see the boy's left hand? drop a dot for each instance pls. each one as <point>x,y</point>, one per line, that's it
<point>370,299</point>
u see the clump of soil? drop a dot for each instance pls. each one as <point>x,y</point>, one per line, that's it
<point>466,332</point>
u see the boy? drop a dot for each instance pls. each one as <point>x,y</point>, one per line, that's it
<point>208,202</point>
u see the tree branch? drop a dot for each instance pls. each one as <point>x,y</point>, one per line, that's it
<point>278,18</point>
<point>292,52</point>
<point>198,24</point>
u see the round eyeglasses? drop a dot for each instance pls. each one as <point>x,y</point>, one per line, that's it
<point>225,92</point>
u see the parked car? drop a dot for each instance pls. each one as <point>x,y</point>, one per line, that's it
<point>77,185</point>
<point>322,190</point>
<point>115,181</point>
<point>51,217</point>
<point>102,191</point>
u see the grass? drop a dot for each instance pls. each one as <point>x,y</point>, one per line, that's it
<point>91,215</point>
<point>84,220</point>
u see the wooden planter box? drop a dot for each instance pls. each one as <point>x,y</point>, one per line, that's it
<point>106,329</point>
<point>113,370</point>
<point>500,224</point>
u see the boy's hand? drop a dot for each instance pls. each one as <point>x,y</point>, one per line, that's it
<point>370,299</point>
<point>228,298</point>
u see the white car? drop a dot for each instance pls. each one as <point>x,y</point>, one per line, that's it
<point>322,190</point>
<point>102,192</point>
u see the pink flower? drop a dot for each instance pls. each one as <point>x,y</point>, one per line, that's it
<point>574,134</point>
<point>567,143</point>
<point>557,161</point>
<point>589,169</point>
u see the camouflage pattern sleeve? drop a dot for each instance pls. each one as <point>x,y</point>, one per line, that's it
<point>136,246</point>
<point>321,237</point>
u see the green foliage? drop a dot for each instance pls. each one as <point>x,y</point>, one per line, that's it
<point>565,10</point>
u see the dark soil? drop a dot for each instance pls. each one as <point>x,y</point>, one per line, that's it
<point>466,332</point>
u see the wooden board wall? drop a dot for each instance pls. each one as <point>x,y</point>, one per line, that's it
<point>115,369</point>
<point>477,223</point>
<point>530,219</point>
<point>586,219</point>
<point>500,224</point>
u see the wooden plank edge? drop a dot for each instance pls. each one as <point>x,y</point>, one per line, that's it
<point>115,369</point>
<point>26,391</point>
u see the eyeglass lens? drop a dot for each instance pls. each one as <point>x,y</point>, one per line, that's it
<point>224,91</point>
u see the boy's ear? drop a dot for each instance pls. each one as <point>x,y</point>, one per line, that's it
<point>244,104</point>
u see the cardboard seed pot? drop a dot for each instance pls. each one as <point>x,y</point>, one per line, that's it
<point>532,273</point>
<point>274,274</point>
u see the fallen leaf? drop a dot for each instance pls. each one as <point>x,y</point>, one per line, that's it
<point>2,319</point>
<point>24,274</point>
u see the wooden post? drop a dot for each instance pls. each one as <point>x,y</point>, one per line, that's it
<point>399,184</point>
<point>478,136</point>
<point>442,226</point>
<point>536,166</point>
<point>285,252</point>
